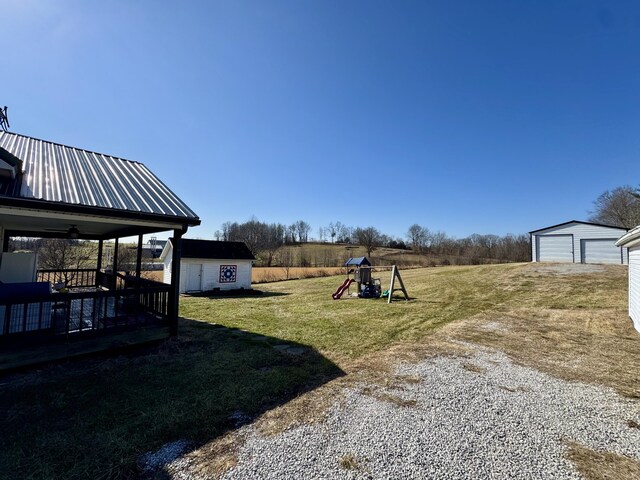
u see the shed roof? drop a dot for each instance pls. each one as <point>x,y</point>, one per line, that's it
<point>212,249</point>
<point>63,175</point>
<point>357,262</point>
<point>578,221</point>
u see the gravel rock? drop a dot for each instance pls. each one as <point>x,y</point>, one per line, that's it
<point>569,268</point>
<point>497,421</point>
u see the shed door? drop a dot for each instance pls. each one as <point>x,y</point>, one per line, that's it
<point>555,248</point>
<point>601,250</point>
<point>194,277</point>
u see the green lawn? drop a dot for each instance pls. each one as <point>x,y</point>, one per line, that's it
<point>303,311</point>
<point>93,418</point>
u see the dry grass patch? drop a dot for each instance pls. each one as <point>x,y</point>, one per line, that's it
<point>515,390</point>
<point>595,465</point>
<point>349,462</point>
<point>472,367</point>
<point>278,274</point>
<point>306,409</point>
<point>375,392</point>
<point>592,346</point>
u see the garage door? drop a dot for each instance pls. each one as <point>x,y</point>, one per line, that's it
<point>555,248</point>
<point>601,250</point>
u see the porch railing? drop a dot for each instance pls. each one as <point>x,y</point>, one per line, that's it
<point>86,311</point>
<point>87,277</point>
<point>71,277</point>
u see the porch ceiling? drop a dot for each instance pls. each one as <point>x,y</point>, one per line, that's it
<point>39,223</point>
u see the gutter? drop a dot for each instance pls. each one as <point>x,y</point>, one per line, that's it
<point>630,239</point>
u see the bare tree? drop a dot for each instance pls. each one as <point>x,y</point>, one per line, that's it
<point>285,259</point>
<point>344,233</point>
<point>291,233</point>
<point>273,240</point>
<point>321,234</point>
<point>65,256</point>
<point>618,207</point>
<point>259,237</point>
<point>438,242</point>
<point>370,238</point>
<point>417,237</point>
<point>333,231</point>
<point>303,229</point>
<point>226,231</point>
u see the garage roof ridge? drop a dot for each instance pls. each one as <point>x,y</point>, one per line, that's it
<point>578,221</point>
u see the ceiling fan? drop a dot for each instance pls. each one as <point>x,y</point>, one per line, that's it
<point>72,232</point>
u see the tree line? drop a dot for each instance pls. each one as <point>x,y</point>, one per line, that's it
<point>617,207</point>
<point>265,240</point>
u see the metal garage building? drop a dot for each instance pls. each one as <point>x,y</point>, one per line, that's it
<point>578,242</point>
<point>632,241</point>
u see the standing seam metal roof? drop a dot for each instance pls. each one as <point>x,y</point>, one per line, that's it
<point>58,173</point>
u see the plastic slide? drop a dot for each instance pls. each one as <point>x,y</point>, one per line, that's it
<point>342,288</point>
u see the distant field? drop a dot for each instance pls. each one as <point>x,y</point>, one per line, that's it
<point>276,274</point>
<point>156,275</point>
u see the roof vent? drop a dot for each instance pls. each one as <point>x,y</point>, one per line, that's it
<point>4,119</point>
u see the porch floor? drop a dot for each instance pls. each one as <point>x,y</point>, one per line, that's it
<point>17,357</point>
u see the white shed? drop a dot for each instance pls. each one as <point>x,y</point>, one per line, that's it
<point>632,241</point>
<point>578,242</point>
<point>210,265</point>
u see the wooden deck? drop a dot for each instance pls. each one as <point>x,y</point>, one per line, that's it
<point>15,358</point>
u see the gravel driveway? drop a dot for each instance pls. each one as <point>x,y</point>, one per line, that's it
<point>476,417</point>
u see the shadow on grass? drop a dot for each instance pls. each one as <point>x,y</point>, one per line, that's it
<point>93,418</point>
<point>236,294</point>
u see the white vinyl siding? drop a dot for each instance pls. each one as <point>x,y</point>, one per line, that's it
<point>581,233</point>
<point>166,276</point>
<point>203,274</point>
<point>634,286</point>
<point>555,248</point>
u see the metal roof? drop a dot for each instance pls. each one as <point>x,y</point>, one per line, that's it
<point>211,249</point>
<point>58,173</point>
<point>357,261</point>
<point>630,239</point>
<point>578,221</point>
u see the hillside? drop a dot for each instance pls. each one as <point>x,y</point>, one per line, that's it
<point>315,254</point>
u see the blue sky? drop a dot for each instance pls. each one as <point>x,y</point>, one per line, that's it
<point>462,116</point>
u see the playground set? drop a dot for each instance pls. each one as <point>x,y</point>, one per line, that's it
<point>369,287</point>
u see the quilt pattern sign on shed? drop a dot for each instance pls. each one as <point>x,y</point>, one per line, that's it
<point>228,273</point>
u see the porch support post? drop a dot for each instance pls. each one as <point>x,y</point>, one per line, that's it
<point>139,257</point>
<point>99,279</point>
<point>5,240</point>
<point>99,262</point>
<point>174,293</point>
<point>115,264</point>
